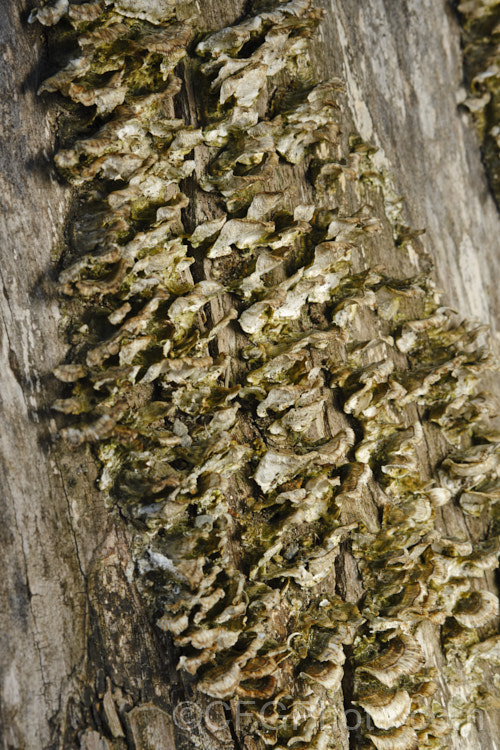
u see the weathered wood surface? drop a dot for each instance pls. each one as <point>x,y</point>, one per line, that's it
<point>403,68</point>
<point>69,614</point>
<point>43,597</point>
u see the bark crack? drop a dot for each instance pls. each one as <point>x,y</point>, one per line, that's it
<point>71,525</point>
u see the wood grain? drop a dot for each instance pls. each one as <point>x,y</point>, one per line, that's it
<point>73,628</point>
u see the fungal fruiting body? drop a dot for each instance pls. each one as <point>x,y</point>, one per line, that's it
<point>259,396</point>
<point>480,38</point>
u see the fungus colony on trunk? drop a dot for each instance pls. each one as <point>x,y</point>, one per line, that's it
<point>480,42</point>
<point>257,394</point>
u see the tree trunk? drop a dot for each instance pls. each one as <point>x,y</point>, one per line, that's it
<point>83,663</point>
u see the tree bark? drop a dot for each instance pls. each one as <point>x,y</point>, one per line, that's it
<point>82,663</point>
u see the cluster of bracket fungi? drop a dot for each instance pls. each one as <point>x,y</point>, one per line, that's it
<point>258,396</point>
<point>480,41</point>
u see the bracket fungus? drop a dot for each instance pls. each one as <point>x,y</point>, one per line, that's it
<point>247,375</point>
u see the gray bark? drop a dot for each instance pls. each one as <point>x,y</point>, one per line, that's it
<point>76,646</point>
<point>403,67</point>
